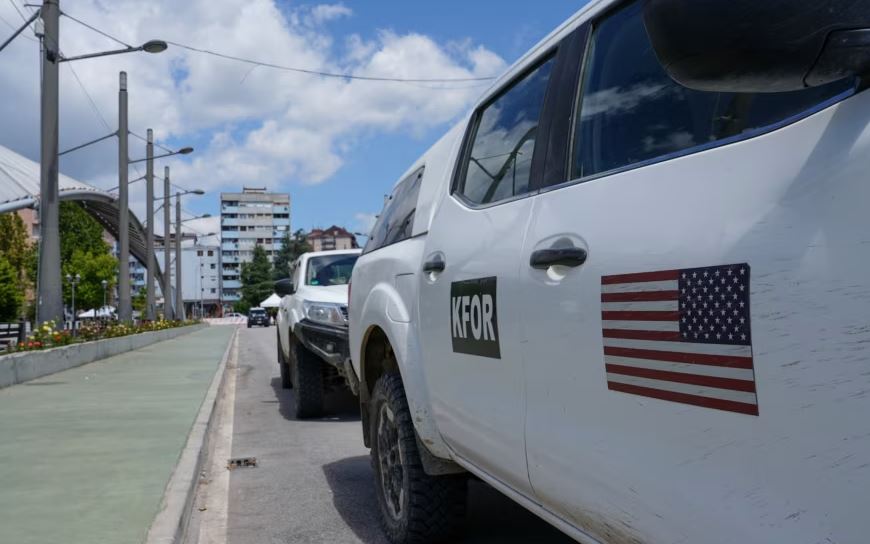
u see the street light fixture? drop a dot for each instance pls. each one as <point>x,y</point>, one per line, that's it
<point>105,284</point>
<point>49,288</point>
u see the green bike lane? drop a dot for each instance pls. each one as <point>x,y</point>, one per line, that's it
<point>85,454</point>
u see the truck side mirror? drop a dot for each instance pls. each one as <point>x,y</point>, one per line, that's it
<point>747,46</point>
<point>284,287</point>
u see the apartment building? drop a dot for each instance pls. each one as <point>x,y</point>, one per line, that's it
<point>334,237</point>
<point>248,219</point>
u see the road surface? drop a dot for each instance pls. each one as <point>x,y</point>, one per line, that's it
<point>313,482</point>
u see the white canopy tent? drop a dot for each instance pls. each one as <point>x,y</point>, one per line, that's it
<point>94,313</point>
<point>272,302</point>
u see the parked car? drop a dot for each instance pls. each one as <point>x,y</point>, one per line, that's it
<point>312,327</point>
<point>234,314</point>
<point>259,317</point>
<point>631,289</point>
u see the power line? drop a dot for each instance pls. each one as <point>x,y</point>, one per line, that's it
<point>329,74</point>
<point>14,28</point>
<point>254,62</point>
<point>161,146</point>
<point>95,29</point>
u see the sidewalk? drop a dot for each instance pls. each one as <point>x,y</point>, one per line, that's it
<point>85,454</point>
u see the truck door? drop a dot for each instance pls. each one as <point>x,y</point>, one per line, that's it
<point>671,284</point>
<point>470,310</point>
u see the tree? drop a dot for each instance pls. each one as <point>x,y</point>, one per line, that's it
<point>14,245</point>
<point>93,269</point>
<point>256,278</point>
<point>11,297</point>
<point>79,231</point>
<point>292,246</point>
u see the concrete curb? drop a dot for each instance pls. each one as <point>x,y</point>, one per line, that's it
<point>170,524</point>
<point>21,367</point>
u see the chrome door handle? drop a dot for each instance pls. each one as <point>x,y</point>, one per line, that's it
<point>565,256</point>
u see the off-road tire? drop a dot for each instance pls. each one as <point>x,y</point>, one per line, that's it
<point>286,382</point>
<point>432,507</point>
<point>308,381</point>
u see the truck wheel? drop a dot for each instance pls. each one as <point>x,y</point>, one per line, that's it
<point>415,508</point>
<point>308,378</point>
<point>286,382</point>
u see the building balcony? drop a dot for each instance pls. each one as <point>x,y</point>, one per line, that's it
<point>229,234</point>
<point>229,209</point>
<point>232,284</point>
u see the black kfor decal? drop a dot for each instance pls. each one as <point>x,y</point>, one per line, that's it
<point>474,317</point>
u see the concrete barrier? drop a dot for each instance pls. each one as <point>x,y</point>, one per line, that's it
<point>21,367</point>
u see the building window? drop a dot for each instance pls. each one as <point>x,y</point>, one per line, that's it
<point>199,253</point>
<point>210,253</point>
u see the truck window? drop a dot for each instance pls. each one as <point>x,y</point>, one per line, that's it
<point>397,218</point>
<point>631,111</point>
<point>330,269</point>
<point>498,164</point>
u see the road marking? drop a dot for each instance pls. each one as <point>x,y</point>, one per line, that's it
<point>213,520</point>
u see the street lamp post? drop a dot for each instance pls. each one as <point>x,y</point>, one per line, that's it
<point>167,283</point>
<point>73,281</point>
<point>105,284</point>
<point>149,233</point>
<point>125,308</point>
<point>49,288</point>
<point>179,299</point>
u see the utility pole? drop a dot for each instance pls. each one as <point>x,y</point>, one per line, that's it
<point>179,299</point>
<point>125,309</point>
<point>167,278</point>
<point>49,288</point>
<point>149,234</point>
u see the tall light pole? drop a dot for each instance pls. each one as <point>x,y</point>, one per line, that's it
<point>179,299</point>
<point>167,283</point>
<point>125,308</point>
<point>105,285</point>
<point>149,233</point>
<point>73,281</point>
<point>49,289</point>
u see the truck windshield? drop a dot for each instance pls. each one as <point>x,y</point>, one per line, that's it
<point>330,269</point>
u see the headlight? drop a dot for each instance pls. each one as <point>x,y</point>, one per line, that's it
<point>325,312</point>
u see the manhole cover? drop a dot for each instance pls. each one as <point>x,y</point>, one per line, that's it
<point>242,462</point>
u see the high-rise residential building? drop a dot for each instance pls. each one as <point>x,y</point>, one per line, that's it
<point>248,219</point>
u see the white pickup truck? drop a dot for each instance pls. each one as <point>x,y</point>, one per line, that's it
<point>312,327</point>
<point>632,289</point>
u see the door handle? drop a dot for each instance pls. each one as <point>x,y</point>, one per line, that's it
<point>435,265</point>
<point>563,256</point>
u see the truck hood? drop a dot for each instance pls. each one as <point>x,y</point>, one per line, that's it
<point>329,293</point>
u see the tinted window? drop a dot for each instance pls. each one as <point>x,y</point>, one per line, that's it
<point>498,165</point>
<point>330,269</point>
<point>631,111</point>
<point>397,218</point>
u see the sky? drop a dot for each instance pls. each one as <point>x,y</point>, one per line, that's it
<point>336,145</point>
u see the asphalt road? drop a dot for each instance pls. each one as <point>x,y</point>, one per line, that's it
<point>313,482</point>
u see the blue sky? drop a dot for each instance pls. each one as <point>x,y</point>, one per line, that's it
<point>336,146</point>
<point>374,163</point>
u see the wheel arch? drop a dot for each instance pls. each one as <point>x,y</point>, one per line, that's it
<point>377,342</point>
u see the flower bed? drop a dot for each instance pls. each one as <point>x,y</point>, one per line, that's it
<point>48,336</point>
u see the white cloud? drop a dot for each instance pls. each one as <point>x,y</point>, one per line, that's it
<point>261,126</point>
<point>364,222</point>
<point>327,12</point>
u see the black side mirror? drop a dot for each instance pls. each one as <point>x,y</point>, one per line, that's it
<point>284,287</point>
<point>759,45</point>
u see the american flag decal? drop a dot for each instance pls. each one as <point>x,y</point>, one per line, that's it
<point>681,335</point>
